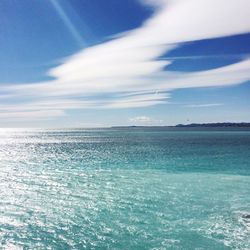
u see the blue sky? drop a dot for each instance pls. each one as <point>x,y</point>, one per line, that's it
<point>83,63</point>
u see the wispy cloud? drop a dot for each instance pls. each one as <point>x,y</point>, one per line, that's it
<point>129,64</point>
<point>207,105</point>
<point>34,114</point>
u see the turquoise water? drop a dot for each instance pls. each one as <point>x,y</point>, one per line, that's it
<point>125,189</point>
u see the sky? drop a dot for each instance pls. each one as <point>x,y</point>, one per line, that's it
<point>98,63</point>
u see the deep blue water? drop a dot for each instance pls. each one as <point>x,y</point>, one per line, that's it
<point>130,188</point>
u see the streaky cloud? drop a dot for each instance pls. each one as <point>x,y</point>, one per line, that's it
<point>129,64</point>
<point>206,105</point>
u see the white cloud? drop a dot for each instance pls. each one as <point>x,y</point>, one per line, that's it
<point>144,120</point>
<point>129,64</point>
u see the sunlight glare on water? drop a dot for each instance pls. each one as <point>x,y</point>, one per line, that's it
<point>124,189</point>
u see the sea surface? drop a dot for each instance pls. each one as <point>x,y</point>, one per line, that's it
<point>125,188</point>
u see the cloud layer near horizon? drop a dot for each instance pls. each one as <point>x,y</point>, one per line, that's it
<point>127,70</point>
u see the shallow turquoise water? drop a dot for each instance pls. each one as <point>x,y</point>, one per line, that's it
<point>124,189</point>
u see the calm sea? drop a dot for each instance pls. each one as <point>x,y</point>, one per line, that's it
<point>130,188</point>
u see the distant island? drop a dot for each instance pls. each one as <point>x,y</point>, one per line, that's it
<point>195,125</point>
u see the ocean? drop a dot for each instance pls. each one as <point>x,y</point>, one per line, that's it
<point>125,188</point>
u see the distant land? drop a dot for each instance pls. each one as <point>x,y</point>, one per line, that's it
<point>215,125</point>
<point>194,125</point>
